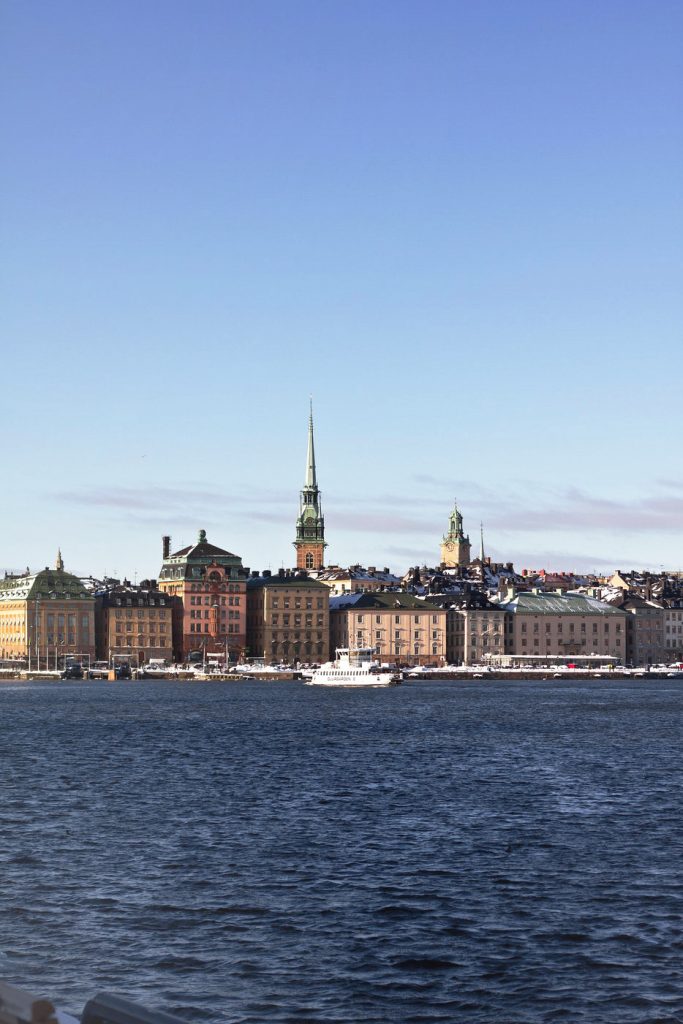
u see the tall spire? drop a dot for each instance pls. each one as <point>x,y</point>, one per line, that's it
<point>481,548</point>
<point>59,563</point>
<point>311,480</point>
<point>310,525</point>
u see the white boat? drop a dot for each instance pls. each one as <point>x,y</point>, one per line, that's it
<point>353,666</point>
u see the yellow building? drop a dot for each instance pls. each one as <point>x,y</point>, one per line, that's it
<point>287,618</point>
<point>401,628</point>
<point>45,616</point>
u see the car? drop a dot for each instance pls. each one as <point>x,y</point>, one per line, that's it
<point>73,670</point>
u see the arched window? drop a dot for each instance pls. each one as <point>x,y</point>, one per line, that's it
<point>309,560</point>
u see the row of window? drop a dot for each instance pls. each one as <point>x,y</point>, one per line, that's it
<point>275,602</point>
<point>397,618</point>
<point>275,619</point>
<point>149,627</point>
<point>558,627</point>
<point>196,627</point>
<point>584,642</point>
<point>231,588</point>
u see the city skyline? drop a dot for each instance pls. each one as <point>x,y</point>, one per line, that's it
<point>458,226</point>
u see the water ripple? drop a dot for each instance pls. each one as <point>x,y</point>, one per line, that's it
<point>269,853</point>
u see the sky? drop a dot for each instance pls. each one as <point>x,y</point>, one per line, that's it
<point>456,226</point>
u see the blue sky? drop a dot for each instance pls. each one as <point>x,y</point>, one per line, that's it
<point>458,226</point>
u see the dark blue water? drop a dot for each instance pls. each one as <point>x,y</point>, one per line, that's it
<point>247,852</point>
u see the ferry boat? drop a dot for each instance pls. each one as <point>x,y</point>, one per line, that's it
<point>353,666</point>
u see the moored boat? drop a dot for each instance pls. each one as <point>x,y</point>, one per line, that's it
<point>354,666</point>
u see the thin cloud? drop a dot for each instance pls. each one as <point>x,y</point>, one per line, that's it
<point>577,510</point>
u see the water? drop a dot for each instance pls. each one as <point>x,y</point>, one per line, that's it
<point>256,852</point>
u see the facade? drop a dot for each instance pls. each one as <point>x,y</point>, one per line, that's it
<point>455,546</point>
<point>211,585</point>
<point>46,616</point>
<point>673,631</point>
<point>645,630</point>
<point>400,627</point>
<point>356,579</point>
<point>549,625</point>
<point>288,618</point>
<point>475,627</point>
<point>134,622</point>
<point>310,524</point>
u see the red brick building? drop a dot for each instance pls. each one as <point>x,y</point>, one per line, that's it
<point>211,584</point>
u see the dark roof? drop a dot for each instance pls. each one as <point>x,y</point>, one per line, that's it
<point>301,579</point>
<point>386,599</point>
<point>202,550</point>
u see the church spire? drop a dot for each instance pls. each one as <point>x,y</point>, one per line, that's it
<point>59,563</point>
<point>481,547</point>
<point>311,480</point>
<point>310,524</point>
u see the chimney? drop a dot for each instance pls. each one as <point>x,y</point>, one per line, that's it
<point>165,546</point>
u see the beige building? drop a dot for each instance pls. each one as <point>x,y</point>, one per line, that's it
<point>45,616</point>
<point>552,624</point>
<point>645,630</point>
<point>288,618</point>
<point>475,628</point>
<point>400,627</point>
<point>673,631</point>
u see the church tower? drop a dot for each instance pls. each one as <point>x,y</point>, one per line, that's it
<point>310,524</point>
<point>455,547</point>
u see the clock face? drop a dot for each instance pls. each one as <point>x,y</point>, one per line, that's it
<point>449,546</point>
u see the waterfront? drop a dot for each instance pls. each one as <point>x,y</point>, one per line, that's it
<point>435,852</point>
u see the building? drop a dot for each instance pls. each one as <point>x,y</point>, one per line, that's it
<point>356,579</point>
<point>644,630</point>
<point>562,624</point>
<point>455,546</point>
<point>288,618</point>
<point>211,585</point>
<point>673,630</point>
<point>476,628</point>
<point>400,627</point>
<point>45,616</point>
<point>134,622</point>
<point>310,524</point>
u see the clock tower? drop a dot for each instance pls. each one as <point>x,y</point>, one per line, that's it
<point>310,524</point>
<point>455,546</point>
